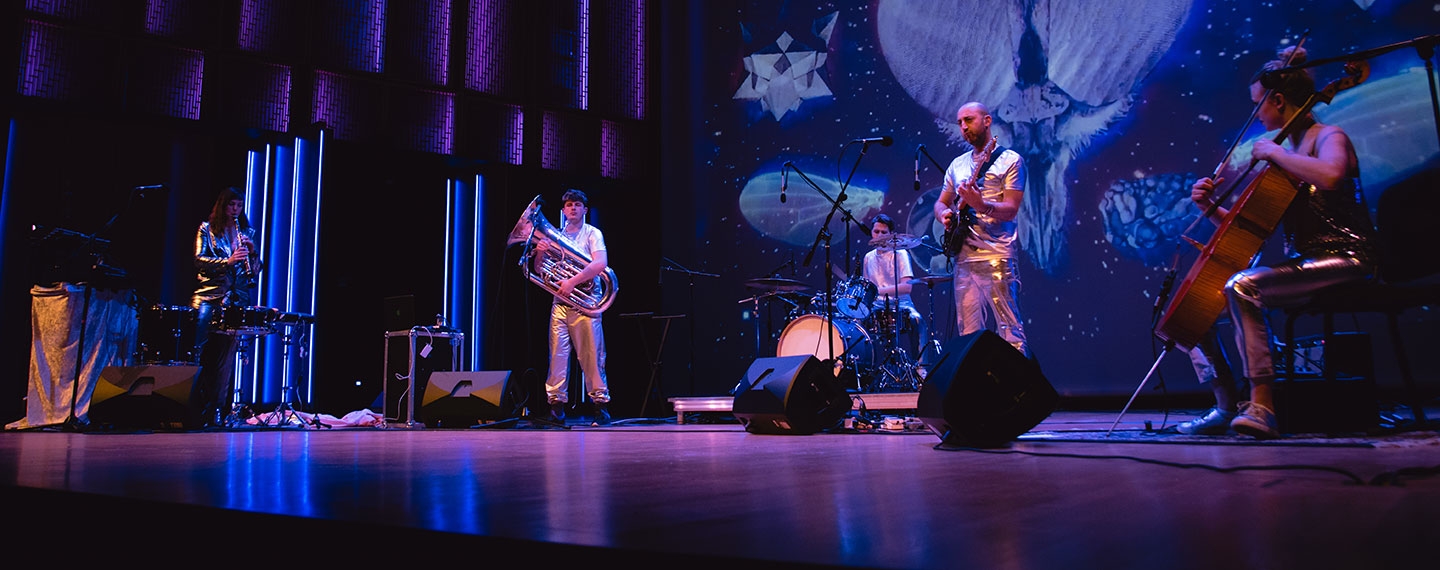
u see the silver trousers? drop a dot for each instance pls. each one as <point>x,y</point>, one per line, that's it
<point>571,329</point>
<point>1252,291</point>
<point>987,292</point>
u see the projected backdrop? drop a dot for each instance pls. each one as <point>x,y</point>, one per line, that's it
<point>1116,107</point>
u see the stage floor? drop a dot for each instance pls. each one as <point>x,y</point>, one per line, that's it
<point>660,493</point>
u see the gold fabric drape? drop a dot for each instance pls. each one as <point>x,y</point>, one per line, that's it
<point>56,312</point>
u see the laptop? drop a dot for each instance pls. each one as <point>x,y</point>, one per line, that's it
<point>399,313</point>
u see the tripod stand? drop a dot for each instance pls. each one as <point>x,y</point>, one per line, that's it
<point>296,331</point>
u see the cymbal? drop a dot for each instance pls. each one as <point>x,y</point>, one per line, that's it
<point>897,241</point>
<point>930,279</point>
<point>777,284</point>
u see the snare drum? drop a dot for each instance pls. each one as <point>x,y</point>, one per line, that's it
<point>241,320</point>
<point>854,296</point>
<point>811,335</point>
<point>167,335</point>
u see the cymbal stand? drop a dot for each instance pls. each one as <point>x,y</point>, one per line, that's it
<point>292,344</point>
<point>931,341</point>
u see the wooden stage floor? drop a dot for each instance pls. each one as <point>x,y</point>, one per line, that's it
<point>660,493</point>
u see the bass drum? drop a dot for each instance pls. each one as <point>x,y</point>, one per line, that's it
<point>811,335</point>
<point>167,335</point>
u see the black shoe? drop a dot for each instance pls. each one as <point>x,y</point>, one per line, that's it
<point>557,412</point>
<point>602,413</point>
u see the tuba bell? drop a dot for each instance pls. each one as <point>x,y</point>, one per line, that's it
<point>557,261</point>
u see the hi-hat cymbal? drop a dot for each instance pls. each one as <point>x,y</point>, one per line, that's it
<point>930,279</point>
<point>897,241</point>
<point>777,284</point>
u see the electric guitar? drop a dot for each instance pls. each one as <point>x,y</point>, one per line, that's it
<point>955,235</point>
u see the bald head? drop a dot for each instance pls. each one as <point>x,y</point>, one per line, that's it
<point>974,120</point>
<point>975,106</point>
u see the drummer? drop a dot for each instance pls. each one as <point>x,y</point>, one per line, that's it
<point>892,296</point>
<point>226,272</point>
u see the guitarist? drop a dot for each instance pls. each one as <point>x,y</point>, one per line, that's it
<point>1329,238</point>
<point>984,185</point>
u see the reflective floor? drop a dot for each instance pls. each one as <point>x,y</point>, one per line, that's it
<point>660,494</point>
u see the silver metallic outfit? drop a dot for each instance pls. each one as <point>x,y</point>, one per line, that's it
<point>1329,239</point>
<point>571,329</point>
<point>987,281</point>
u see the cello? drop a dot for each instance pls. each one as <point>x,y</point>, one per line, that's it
<point>1237,239</point>
<point>1239,236</point>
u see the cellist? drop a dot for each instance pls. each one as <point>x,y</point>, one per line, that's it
<point>1328,235</point>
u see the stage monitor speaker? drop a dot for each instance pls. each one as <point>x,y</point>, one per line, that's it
<point>983,392</point>
<point>144,397</point>
<point>795,395</point>
<point>464,399</point>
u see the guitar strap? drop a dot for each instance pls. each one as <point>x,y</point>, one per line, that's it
<point>994,154</point>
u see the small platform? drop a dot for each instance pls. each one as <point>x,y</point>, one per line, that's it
<point>876,401</point>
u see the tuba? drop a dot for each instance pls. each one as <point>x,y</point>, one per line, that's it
<point>557,261</point>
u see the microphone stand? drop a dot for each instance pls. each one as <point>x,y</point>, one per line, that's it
<point>1424,47</point>
<point>823,236</point>
<point>849,255</point>
<point>671,265</point>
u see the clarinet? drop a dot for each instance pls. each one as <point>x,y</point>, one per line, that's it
<point>235,241</point>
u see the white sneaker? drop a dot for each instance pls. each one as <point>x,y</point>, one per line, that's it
<point>1255,420</point>
<point>1212,422</point>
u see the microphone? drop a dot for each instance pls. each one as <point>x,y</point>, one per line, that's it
<point>917,167</point>
<point>882,141</point>
<point>784,180</point>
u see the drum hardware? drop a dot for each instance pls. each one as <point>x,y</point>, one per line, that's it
<point>296,330</point>
<point>774,288</point>
<point>898,371</point>
<point>853,297</point>
<point>755,310</point>
<point>167,335</point>
<point>777,284</point>
<point>930,346</point>
<point>896,241</point>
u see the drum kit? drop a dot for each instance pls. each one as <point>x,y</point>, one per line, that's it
<point>169,334</point>
<point>852,329</point>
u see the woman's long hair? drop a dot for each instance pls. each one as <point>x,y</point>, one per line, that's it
<point>220,218</point>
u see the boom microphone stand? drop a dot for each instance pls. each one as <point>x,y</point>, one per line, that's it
<point>823,236</point>
<point>672,265</point>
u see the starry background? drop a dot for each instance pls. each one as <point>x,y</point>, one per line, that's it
<point>1088,317</point>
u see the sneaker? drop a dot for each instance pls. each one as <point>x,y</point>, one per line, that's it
<point>557,412</point>
<point>1213,422</point>
<point>1255,420</point>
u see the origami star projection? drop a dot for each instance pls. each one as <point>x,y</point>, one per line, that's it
<point>785,74</point>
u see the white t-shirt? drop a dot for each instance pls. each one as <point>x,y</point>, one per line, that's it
<point>989,239</point>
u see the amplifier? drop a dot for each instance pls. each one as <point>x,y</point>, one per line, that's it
<point>1332,387</point>
<point>1348,354</point>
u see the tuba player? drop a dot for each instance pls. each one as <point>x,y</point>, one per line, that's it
<point>570,328</point>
